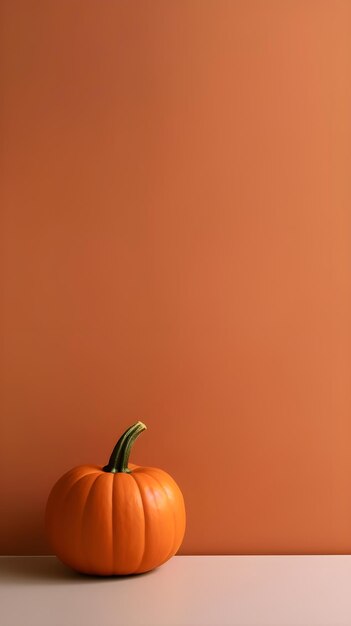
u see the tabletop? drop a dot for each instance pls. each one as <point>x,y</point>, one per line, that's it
<point>185,591</point>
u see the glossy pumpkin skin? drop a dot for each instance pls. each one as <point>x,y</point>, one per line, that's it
<point>105,523</point>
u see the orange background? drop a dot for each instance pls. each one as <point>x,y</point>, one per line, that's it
<point>176,248</point>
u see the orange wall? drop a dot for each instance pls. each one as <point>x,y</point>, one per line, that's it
<point>176,248</point>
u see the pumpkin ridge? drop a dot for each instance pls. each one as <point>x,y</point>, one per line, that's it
<point>144,510</point>
<point>169,554</point>
<point>171,483</point>
<point>68,492</point>
<point>84,515</point>
<point>69,489</point>
<point>66,489</point>
<point>112,522</point>
<point>73,486</point>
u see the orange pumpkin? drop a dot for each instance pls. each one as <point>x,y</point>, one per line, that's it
<point>117,519</point>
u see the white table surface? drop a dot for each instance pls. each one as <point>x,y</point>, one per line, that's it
<point>187,591</point>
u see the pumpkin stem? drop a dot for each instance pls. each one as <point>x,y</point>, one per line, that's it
<point>120,454</point>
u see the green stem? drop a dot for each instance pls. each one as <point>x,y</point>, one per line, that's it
<point>120,454</point>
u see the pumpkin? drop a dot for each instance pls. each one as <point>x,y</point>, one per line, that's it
<point>117,519</point>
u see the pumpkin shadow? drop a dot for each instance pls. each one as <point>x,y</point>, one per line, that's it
<point>49,570</point>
